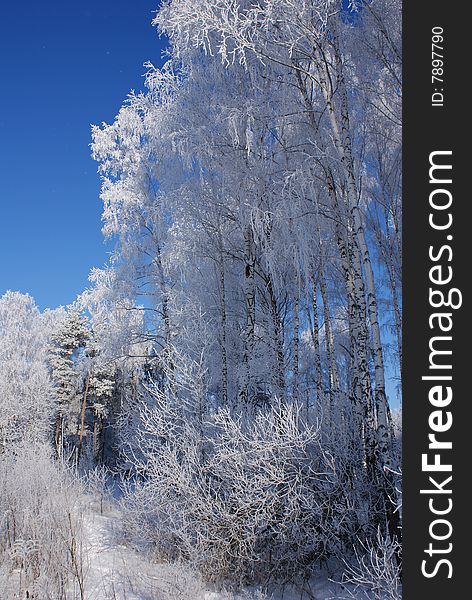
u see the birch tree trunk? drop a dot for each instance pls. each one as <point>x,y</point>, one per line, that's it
<point>315,335</point>
<point>342,141</point>
<point>250,302</point>
<point>296,340</point>
<point>393,290</point>
<point>278,342</point>
<point>164,294</point>
<point>361,387</point>
<point>361,262</point>
<point>223,325</point>
<point>350,254</point>
<point>333,378</point>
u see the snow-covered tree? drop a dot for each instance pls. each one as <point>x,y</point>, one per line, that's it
<point>68,370</point>
<point>27,396</point>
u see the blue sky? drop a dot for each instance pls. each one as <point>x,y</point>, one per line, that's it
<point>64,65</point>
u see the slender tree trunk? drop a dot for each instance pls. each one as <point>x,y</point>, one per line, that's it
<point>95,437</point>
<point>333,378</point>
<point>58,437</point>
<point>361,390</point>
<point>250,301</point>
<point>166,319</point>
<point>223,317</point>
<point>278,342</point>
<point>296,340</point>
<point>393,289</point>
<point>82,417</point>
<point>315,334</point>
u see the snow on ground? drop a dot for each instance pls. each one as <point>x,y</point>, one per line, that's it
<point>114,571</point>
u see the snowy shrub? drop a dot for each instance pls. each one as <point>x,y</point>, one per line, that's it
<point>40,527</point>
<point>247,500</point>
<point>96,482</point>
<point>375,573</point>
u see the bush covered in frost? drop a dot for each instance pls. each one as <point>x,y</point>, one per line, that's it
<point>239,498</point>
<point>40,526</point>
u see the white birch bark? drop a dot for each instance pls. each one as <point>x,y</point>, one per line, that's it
<point>341,136</point>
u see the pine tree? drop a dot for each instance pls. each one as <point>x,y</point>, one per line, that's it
<point>67,358</point>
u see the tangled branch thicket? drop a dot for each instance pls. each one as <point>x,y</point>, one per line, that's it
<point>246,499</point>
<point>375,573</point>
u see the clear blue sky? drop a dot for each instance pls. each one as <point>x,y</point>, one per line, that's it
<point>63,66</point>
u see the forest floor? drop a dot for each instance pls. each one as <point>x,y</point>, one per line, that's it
<point>115,571</point>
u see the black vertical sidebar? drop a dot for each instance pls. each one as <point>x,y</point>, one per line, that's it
<point>436,118</point>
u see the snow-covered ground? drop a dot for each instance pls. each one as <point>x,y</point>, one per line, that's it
<point>116,571</point>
